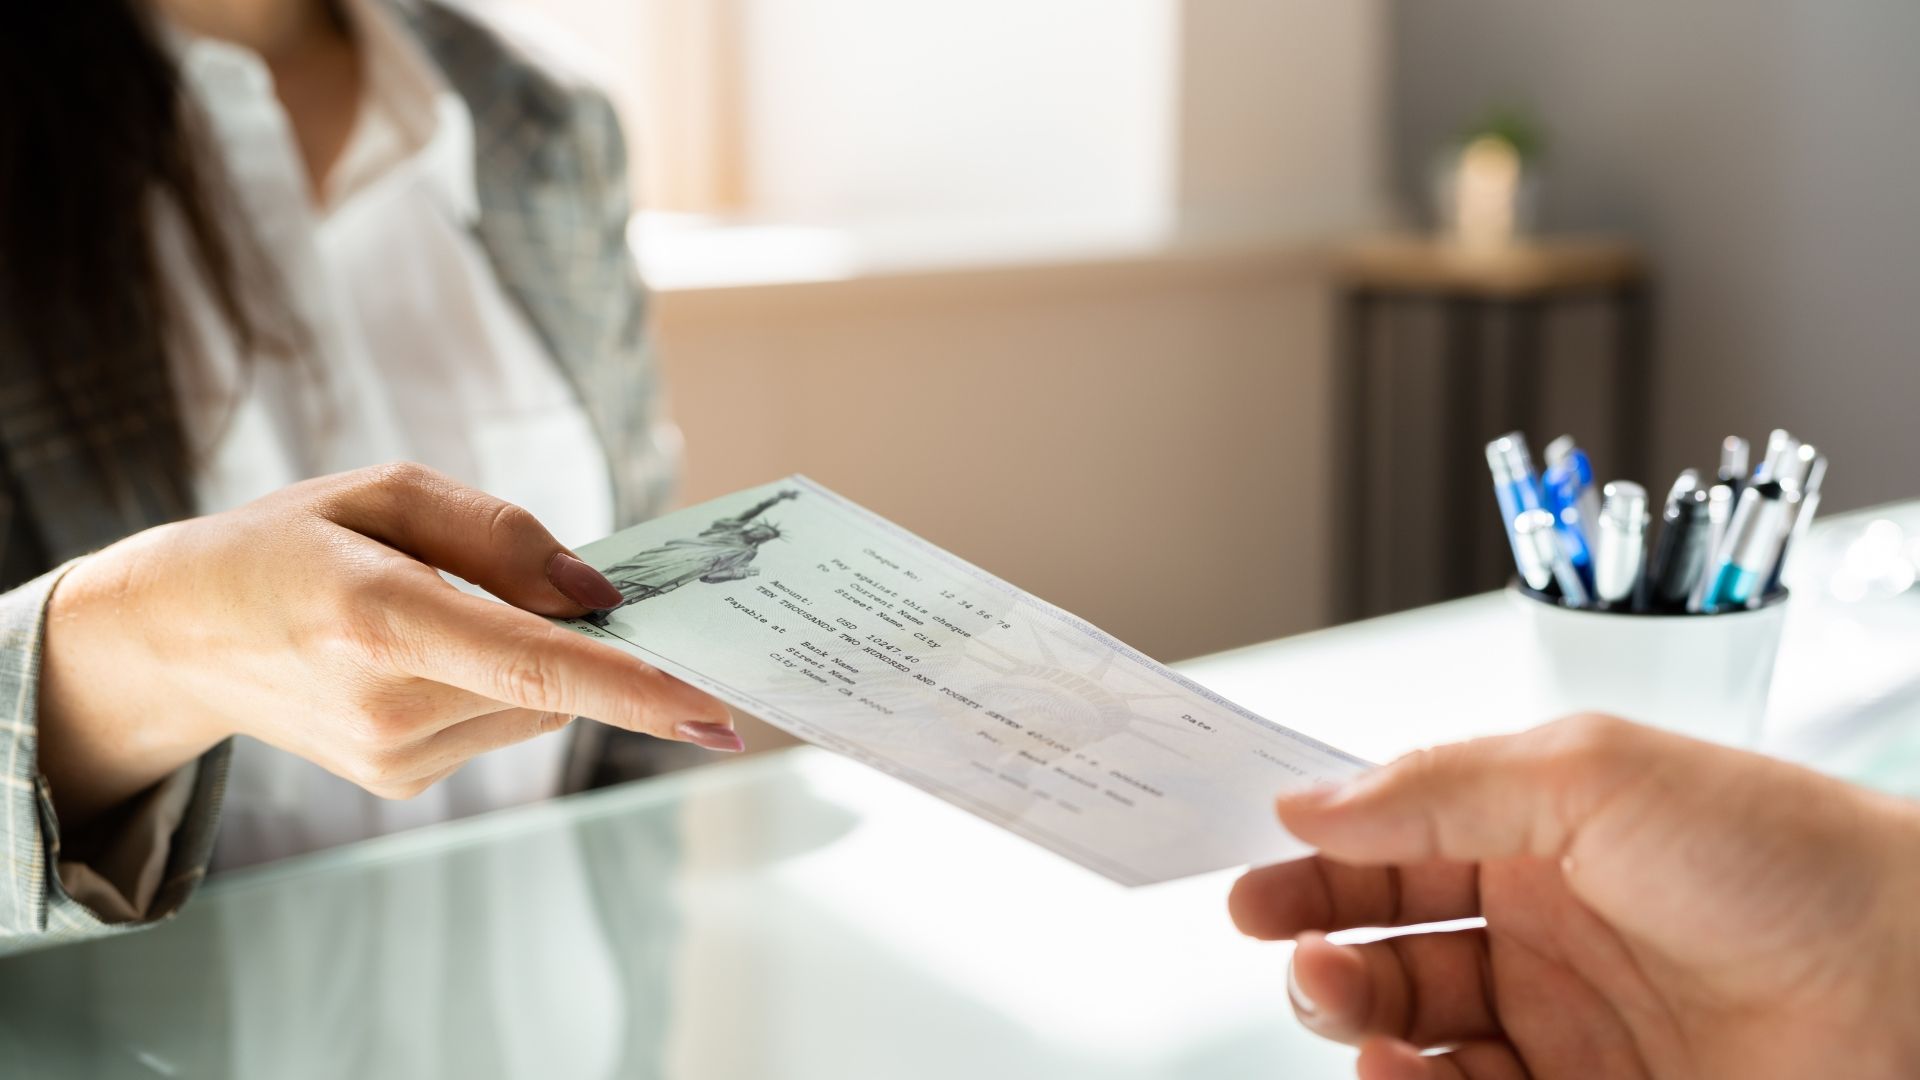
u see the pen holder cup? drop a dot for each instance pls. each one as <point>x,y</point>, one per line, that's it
<point>1706,676</point>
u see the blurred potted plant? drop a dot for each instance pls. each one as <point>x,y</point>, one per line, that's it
<point>1486,183</point>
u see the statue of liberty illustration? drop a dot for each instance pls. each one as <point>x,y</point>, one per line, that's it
<point>722,552</point>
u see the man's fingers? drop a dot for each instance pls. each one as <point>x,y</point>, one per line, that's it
<point>492,543</point>
<point>1479,1059</point>
<point>1276,902</point>
<point>1428,989</point>
<point>521,660</point>
<point>1514,795</point>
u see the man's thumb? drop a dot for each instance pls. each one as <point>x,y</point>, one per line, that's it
<point>1492,798</point>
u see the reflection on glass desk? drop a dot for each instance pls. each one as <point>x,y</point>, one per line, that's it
<point>796,915</point>
<point>790,916</point>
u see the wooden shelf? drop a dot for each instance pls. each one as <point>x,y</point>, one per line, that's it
<point>1539,265</point>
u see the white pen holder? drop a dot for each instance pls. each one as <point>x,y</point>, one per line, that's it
<point>1706,676</point>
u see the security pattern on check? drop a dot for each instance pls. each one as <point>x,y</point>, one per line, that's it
<point>830,622</point>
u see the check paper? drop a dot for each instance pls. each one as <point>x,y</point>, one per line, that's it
<point>832,623</point>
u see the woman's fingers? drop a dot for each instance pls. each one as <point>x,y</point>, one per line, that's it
<point>407,769</point>
<point>1476,1059</point>
<point>1428,989</point>
<point>452,747</point>
<point>524,661</point>
<point>1276,902</point>
<point>448,749</point>
<point>490,542</point>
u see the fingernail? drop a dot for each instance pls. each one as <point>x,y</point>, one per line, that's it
<point>1301,1002</point>
<point>581,583</point>
<point>711,736</point>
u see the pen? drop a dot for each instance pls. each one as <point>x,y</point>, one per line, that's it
<point>1808,473</point>
<point>1562,494</point>
<point>1535,571</point>
<point>1803,517</point>
<point>1723,543</point>
<point>1733,461</point>
<point>1557,451</point>
<point>1681,550</point>
<point>1620,542</point>
<point>1784,461</point>
<point>1781,445</point>
<point>1681,558</point>
<point>1683,485</point>
<point>1535,531</point>
<point>1563,450</point>
<point>1746,555</point>
<point>1720,500</point>
<point>1788,467</point>
<point>1514,483</point>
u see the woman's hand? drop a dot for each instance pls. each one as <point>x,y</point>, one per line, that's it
<point>1655,906</point>
<point>314,620</point>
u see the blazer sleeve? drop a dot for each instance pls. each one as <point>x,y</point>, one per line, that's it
<point>36,907</point>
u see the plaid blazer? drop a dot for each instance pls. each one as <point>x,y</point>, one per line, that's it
<point>551,172</point>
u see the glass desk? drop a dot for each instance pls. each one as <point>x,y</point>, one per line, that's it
<point>798,916</point>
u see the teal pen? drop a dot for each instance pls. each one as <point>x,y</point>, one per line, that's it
<point>1720,499</point>
<point>1747,554</point>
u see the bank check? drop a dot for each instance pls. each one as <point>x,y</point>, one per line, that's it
<point>832,623</point>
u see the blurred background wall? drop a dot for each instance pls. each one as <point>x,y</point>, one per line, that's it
<point>1038,281</point>
<point>1051,283</point>
<point>1765,152</point>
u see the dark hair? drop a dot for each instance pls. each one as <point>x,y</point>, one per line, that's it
<point>95,126</point>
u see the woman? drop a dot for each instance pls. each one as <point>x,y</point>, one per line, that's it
<point>253,242</point>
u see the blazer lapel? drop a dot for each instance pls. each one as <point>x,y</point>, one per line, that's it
<point>549,176</point>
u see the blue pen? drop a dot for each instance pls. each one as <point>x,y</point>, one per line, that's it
<point>1514,484</point>
<point>1563,449</point>
<point>1569,477</point>
<point>1746,555</point>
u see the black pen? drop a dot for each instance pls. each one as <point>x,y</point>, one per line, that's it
<point>1680,559</point>
<point>1683,487</point>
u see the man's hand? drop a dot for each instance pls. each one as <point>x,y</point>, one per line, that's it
<point>315,620</point>
<point>1655,907</point>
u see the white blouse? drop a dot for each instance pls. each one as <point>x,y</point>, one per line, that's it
<point>414,352</point>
